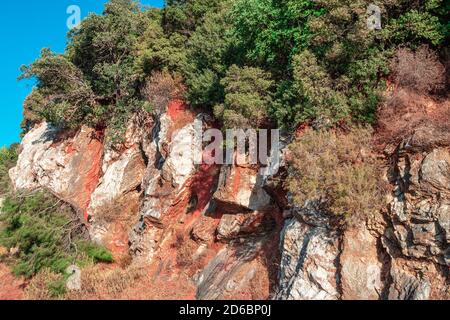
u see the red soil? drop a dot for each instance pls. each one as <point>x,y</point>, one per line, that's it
<point>93,174</point>
<point>11,288</point>
<point>176,108</point>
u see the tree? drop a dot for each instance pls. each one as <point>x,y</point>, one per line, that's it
<point>96,81</point>
<point>184,16</point>
<point>210,52</point>
<point>247,98</point>
<point>271,31</point>
<point>63,96</point>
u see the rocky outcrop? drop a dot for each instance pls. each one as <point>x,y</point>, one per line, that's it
<point>230,273</point>
<point>231,232</point>
<point>401,253</point>
<point>310,249</point>
<point>240,188</point>
<point>67,165</point>
<point>416,235</point>
<point>167,177</point>
<point>361,267</point>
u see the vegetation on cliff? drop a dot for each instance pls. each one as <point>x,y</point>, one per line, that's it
<point>260,63</point>
<point>41,232</point>
<point>321,56</point>
<point>337,171</point>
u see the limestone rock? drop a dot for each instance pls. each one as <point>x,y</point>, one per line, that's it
<point>162,185</point>
<point>230,272</point>
<point>421,205</point>
<point>361,268</point>
<point>68,166</point>
<point>233,226</point>
<point>120,177</point>
<point>308,269</point>
<point>241,188</point>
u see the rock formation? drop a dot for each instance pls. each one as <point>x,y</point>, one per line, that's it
<point>228,232</point>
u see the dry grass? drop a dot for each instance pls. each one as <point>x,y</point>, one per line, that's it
<point>100,283</point>
<point>406,112</point>
<point>161,88</point>
<point>187,258</point>
<point>38,288</point>
<point>185,253</point>
<point>418,106</point>
<point>420,71</point>
<point>97,283</point>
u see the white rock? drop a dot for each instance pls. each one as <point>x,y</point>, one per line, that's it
<point>180,161</point>
<point>308,270</point>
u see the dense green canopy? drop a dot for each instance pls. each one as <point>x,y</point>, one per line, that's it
<point>308,59</point>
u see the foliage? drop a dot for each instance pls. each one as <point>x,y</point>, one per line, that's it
<point>63,96</point>
<point>8,159</point>
<point>184,16</point>
<point>95,82</point>
<point>337,171</point>
<point>307,44</point>
<point>96,252</point>
<point>323,59</point>
<point>406,112</point>
<point>160,88</point>
<point>211,51</point>
<point>158,51</point>
<point>247,98</point>
<point>420,70</point>
<point>271,32</point>
<point>46,234</point>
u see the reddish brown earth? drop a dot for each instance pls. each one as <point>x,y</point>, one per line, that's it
<point>11,288</point>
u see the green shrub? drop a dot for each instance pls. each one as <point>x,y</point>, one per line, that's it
<point>8,159</point>
<point>96,252</point>
<point>337,171</point>
<point>57,288</point>
<point>46,234</point>
<point>247,98</point>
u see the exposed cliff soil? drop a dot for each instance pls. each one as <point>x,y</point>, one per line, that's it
<point>11,287</point>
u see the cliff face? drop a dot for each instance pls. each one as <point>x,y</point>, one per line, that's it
<point>211,232</point>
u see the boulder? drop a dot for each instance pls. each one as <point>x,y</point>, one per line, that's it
<point>234,226</point>
<point>68,166</point>
<point>241,188</point>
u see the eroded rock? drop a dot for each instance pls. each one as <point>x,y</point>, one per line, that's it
<point>68,166</point>
<point>241,188</point>
<point>361,268</point>
<point>308,269</point>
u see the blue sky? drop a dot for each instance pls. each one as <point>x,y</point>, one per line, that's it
<point>26,26</point>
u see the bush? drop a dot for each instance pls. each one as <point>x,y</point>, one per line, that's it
<point>405,112</point>
<point>247,98</point>
<point>160,89</point>
<point>46,233</point>
<point>336,170</point>
<point>420,70</point>
<point>8,159</point>
<point>96,252</point>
